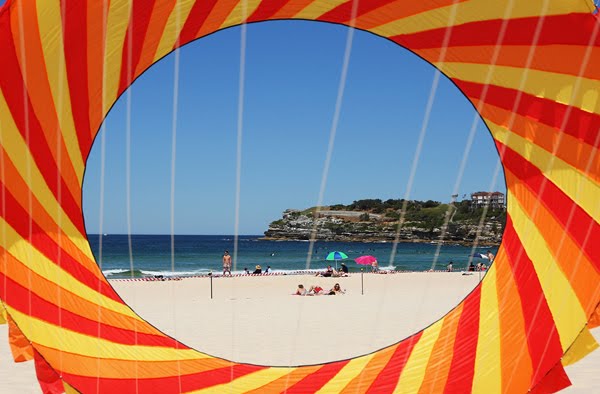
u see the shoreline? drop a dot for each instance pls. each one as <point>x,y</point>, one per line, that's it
<point>384,241</point>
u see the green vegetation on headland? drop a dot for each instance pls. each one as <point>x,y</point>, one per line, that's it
<point>374,220</point>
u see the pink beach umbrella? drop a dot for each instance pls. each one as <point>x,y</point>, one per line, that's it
<point>365,260</point>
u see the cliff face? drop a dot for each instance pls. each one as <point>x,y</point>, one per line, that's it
<point>361,226</point>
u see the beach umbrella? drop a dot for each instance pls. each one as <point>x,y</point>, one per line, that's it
<point>365,260</point>
<point>336,256</point>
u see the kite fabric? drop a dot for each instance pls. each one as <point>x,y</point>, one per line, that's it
<point>530,68</point>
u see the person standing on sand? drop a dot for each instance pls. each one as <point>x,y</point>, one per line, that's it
<point>226,263</point>
<point>374,266</point>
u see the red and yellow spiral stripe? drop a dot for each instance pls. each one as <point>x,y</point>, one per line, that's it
<point>532,70</point>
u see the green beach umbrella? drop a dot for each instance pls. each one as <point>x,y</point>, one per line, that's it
<point>336,256</point>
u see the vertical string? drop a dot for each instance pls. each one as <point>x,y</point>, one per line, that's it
<point>240,128</point>
<point>424,126</point>
<point>27,154</point>
<point>59,139</point>
<point>173,162</point>
<point>102,175</point>
<point>128,173</point>
<point>174,150</point>
<point>333,130</point>
<point>238,160</point>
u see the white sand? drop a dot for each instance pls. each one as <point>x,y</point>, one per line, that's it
<point>256,320</point>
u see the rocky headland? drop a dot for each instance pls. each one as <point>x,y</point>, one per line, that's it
<point>377,221</point>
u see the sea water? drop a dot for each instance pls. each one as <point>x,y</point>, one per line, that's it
<point>201,254</point>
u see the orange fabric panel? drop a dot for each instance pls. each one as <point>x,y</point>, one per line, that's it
<point>20,346</point>
<point>398,10</point>
<point>516,367</point>
<point>97,15</point>
<point>437,370</point>
<point>544,57</point>
<point>595,318</point>
<point>156,27</point>
<point>282,384</point>
<point>291,8</point>
<point>217,16</point>
<point>75,364</point>
<point>362,382</point>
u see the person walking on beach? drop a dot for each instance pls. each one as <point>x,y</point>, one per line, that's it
<point>226,263</point>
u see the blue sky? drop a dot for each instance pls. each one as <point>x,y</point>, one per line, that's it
<point>292,74</point>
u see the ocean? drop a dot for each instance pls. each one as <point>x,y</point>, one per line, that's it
<point>201,254</point>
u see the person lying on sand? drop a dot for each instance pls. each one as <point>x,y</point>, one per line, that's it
<point>336,290</point>
<point>315,290</point>
<point>301,291</point>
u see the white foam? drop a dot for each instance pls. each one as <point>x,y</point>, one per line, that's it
<point>114,271</point>
<point>175,273</point>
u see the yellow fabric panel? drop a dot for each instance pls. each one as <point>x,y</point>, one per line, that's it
<point>116,29</point>
<point>346,374</point>
<point>2,314</point>
<point>49,335</point>
<point>69,389</point>
<point>560,90</point>
<point>173,27</point>
<point>487,377</point>
<point>16,148</point>
<point>572,182</point>
<point>414,371</point>
<point>318,8</point>
<point>238,15</point>
<point>36,261</point>
<point>50,21</point>
<point>583,345</point>
<point>474,11</point>
<point>249,382</point>
<point>564,305</point>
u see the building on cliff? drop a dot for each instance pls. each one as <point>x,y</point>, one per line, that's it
<point>491,199</point>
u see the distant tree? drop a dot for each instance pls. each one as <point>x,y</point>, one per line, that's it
<point>393,204</point>
<point>368,204</point>
<point>431,204</point>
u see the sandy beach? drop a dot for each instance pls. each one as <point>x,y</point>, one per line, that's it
<point>257,320</point>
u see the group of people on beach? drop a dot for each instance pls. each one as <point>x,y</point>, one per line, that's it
<point>474,267</point>
<point>343,271</point>
<point>257,270</point>
<point>317,290</point>
<point>227,267</point>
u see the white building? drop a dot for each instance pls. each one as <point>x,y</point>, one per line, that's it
<point>493,199</point>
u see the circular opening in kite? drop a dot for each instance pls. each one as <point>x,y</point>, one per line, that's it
<point>291,82</point>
